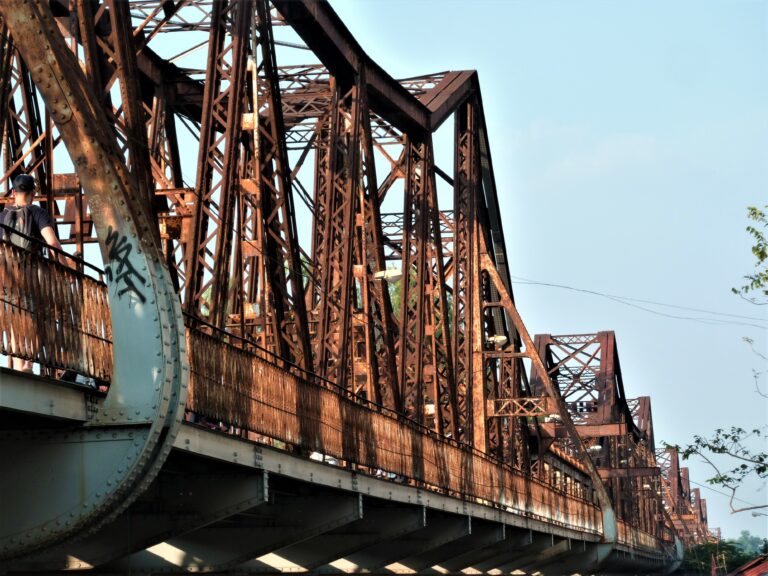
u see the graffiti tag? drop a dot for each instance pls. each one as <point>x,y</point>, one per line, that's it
<point>120,270</point>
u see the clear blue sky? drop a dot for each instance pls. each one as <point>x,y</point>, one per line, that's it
<point>628,139</point>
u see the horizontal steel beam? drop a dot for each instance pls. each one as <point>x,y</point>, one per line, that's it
<point>327,36</point>
<point>522,407</point>
<point>238,451</point>
<point>36,396</point>
<point>552,430</point>
<point>628,472</point>
<point>381,522</point>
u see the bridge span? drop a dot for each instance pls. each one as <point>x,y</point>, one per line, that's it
<point>276,361</point>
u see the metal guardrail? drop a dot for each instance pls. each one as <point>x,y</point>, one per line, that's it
<point>53,314</point>
<point>241,387</point>
<point>635,538</point>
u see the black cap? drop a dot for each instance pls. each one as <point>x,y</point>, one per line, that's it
<point>24,183</point>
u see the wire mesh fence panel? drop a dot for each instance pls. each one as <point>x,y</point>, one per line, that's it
<point>53,315</point>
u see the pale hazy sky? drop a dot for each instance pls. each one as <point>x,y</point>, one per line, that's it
<point>628,138</point>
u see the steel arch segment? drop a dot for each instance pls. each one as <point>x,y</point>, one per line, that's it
<point>120,450</point>
<point>678,560</point>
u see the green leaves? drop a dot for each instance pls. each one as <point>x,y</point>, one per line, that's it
<point>746,447</point>
<point>727,554</point>
<point>744,451</point>
<point>757,283</point>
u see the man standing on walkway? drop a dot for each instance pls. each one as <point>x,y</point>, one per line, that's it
<point>31,221</point>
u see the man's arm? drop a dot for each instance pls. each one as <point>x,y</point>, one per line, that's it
<point>44,223</point>
<point>50,238</point>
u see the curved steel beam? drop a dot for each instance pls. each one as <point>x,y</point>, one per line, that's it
<point>327,36</point>
<point>78,479</point>
<point>679,554</point>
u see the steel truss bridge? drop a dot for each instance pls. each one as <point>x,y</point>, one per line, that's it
<point>283,337</point>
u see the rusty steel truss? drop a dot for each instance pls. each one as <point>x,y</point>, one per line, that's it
<point>685,507</point>
<point>301,206</point>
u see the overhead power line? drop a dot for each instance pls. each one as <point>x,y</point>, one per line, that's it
<point>722,493</point>
<point>635,303</point>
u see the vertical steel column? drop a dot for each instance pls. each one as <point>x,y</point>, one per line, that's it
<point>606,412</point>
<point>6,68</point>
<point>281,264</point>
<point>470,284</point>
<point>509,433</point>
<point>91,53</point>
<point>109,59</point>
<point>26,129</point>
<point>208,260</point>
<point>165,162</point>
<point>414,267</point>
<point>380,325</point>
<point>333,307</point>
<point>425,355</point>
<point>438,331</point>
<point>133,115</point>
<point>466,269</point>
<point>319,218</point>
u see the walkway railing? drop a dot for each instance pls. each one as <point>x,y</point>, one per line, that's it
<point>53,314</point>
<point>240,387</point>
<point>631,536</point>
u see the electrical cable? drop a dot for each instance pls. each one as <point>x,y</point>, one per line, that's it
<point>528,280</point>
<point>627,301</point>
<point>722,493</point>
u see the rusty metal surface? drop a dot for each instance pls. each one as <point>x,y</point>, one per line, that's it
<point>336,142</point>
<point>245,388</point>
<point>617,430</point>
<point>53,315</point>
<point>684,508</point>
<point>636,538</point>
<point>150,373</point>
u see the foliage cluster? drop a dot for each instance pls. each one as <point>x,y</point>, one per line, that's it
<point>756,287</point>
<point>728,554</point>
<point>746,450</point>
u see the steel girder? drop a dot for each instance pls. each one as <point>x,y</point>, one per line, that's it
<point>332,304</point>
<point>426,367</point>
<point>375,318</point>
<point>467,321</point>
<point>209,243</point>
<point>272,222</point>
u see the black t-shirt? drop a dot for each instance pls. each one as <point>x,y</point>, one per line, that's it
<point>40,220</point>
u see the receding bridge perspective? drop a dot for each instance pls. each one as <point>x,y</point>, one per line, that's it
<point>281,334</point>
